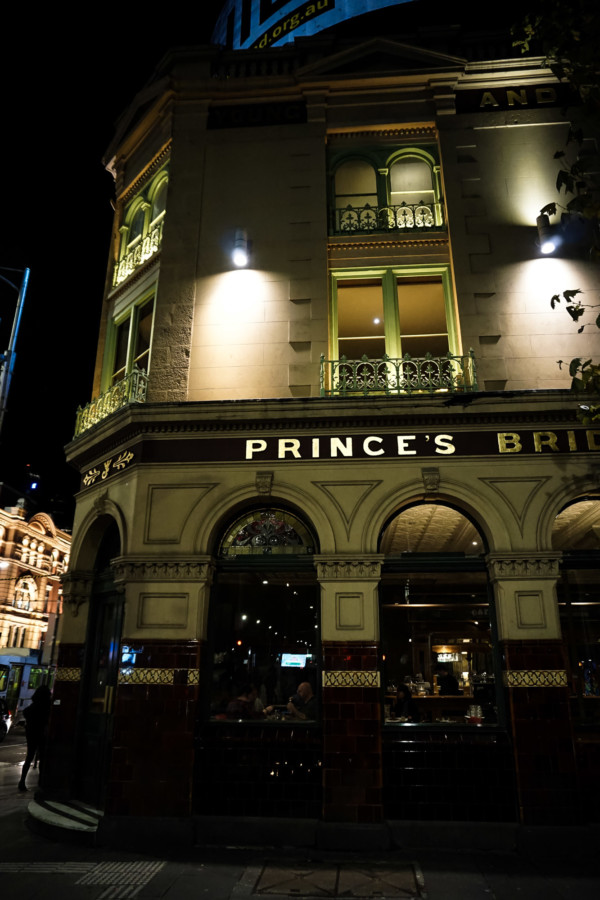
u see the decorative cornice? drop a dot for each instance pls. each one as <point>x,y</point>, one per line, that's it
<point>342,568</point>
<point>350,678</point>
<point>503,566</point>
<point>136,186</point>
<point>534,678</point>
<point>129,570</point>
<point>359,244</point>
<point>427,132</point>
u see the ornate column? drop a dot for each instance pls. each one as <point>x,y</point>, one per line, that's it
<point>351,702</point>
<point>535,679</point>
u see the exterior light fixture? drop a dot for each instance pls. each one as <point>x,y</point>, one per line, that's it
<point>240,255</point>
<point>548,235</point>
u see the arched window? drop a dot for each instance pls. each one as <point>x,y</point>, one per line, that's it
<point>264,612</point>
<point>141,228</point>
<point>398,193</point>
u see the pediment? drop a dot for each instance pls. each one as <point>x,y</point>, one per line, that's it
<point>380,56</point>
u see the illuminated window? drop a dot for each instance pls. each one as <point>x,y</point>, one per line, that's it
<point>132,339</point>
<point>141,229</point>
<point>378,192</point>
<point>394,312</point>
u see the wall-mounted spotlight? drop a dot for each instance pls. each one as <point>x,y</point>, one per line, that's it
<point>548,234</point>
<point>240,255</point>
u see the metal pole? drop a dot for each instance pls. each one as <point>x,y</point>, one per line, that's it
<point>10,355</point>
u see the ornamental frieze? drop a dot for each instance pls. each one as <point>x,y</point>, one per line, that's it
<point>533,678</point>
<point>109,467</point>
<point>163,570</point>
<point>524,565</point>
<point>350,569</point>
<point>77,588</point>
<point>350,678</point>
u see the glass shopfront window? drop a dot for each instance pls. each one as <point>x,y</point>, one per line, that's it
<point>577,533</point>
<point>264,631</point>
<point>437,622</point>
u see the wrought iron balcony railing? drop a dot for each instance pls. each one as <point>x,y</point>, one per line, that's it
<point>144,250</point>
<point>131,389</point>
<point>405,217</point>
<point>408,375</point>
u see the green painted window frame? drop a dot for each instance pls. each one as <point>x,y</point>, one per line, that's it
<point>389,276</point>
<point>131,314</point>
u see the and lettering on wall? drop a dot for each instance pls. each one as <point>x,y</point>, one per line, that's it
<point>515,97</point>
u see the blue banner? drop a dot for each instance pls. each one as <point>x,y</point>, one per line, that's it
<point>245,24</point>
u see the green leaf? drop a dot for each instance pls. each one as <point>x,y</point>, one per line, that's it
<point>574,367</point>
<point>575,312</point>
<point>559,154</point>
<point>568,295</point>
<point>598,322</point>
<point>548,210</point>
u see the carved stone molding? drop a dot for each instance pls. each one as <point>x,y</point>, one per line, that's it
<point>503,566</point>
<point>431,480</point>
<point>532,678</point>
<point>77,588</point>
<point>342,568</point>
<point>264,483</point>
<point>201,569</point>
<point>350,678</point>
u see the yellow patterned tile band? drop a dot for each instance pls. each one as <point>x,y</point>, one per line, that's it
<point>351,679</point>
<point>531,678</point>
<point>130,675</point>
<point>65,674</point>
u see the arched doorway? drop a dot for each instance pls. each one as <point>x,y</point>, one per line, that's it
<point>444,735</point>
<point>100,674</point>
<point>263,631</point>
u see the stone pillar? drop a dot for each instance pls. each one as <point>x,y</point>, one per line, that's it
<point>156,702</point>
<point>351,701</point>
<point>535,678</point>
<point>59,765</point>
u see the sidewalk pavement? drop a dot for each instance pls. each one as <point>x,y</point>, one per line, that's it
<point>438,861</point>
<point>32,867</point>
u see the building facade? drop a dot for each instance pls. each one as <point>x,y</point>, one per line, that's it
<point>351,459</point>
<point>34,554</point>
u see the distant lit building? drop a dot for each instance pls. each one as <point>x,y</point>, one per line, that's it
<point>34,554</point>
<point>329,442</point>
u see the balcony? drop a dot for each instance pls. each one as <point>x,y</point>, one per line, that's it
<point>131,389</point>
<point>398,377</point>
<point>144,250</point>
<point>406,217</point>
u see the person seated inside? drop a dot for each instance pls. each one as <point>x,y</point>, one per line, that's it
<point>406,708</point>
<point>447,682</point>
<point>244,706</point>
<point>303,705</point>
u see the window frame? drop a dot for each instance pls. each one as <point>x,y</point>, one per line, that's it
<point>389,276</point>
<point>131,313</point>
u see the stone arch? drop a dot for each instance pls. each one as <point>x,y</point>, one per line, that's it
<point>205,527</point>
<point>469,500</point>
<point>558,500</point>
<point>91,532</point>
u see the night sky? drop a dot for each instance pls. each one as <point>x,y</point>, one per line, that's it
<point>66,78</point>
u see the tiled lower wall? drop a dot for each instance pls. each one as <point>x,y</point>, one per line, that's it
<point>252,769</point>
<point>153,738</point>
<point>448,776</point>
<point>538,706</point>
<point>351,717</point>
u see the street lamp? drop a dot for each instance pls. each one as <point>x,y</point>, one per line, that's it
<point>8,359</point>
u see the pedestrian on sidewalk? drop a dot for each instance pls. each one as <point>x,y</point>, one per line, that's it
<point>36,722</point>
